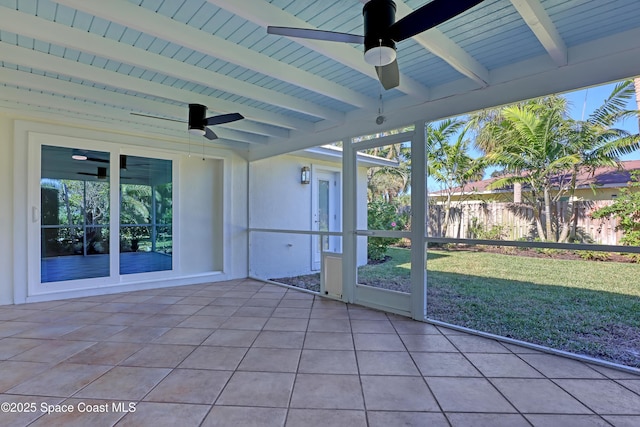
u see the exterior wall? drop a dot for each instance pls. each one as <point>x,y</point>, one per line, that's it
<point>211,208</point>
<point>280,201</point>
<point>6,210</point>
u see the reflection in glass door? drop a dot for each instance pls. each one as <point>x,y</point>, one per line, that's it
<point>74,214</point>
<point>146,212</point>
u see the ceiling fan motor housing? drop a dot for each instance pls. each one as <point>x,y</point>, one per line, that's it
<point>197,113</point>
<point>379,15</point>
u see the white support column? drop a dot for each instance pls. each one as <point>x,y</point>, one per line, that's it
<point>418,223</point>
<point>349,221</point>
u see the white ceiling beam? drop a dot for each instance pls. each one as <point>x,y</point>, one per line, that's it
<point>264,14</point>
<point>443,47</point>
<point>146,21</point>
<point>51,32</point>
<point>123,101</point>
<point>45,62</point>
<point>540,23</point>
<point>104,115</point>
<point>86,95</point>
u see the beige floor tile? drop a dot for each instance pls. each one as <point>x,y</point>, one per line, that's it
<point>386,363</point>
<point>560,367</point>
<point>190,386</point>
<point>141,334</point>
<point>235,416</point>
<point>94,332</point>
<point>186,336</point>
<point>16,372</point>
<point>372,326</point>
<point>262,302</point>
<point>25,417</point>
<point>8,329</point>
<point>181,309</point>
<point>603,396</point>
<point>328,362</point>
<point>10,347</point>
<point>283,324</point>
<point>267,389</point>
<point>326,418</point>
<point>217,358</point>
<point>126,319</point>
<point>329,341</point>
<point>360,313</point>
<point>623,420</point>
<point>545,420</point>
<point>159,356</point>
<point>124,383</point>
<point>487,420</point>
<point>279,339</point>
<point>53,351</point>
<point>87,412</point>
<point>329,325</point>
<point>378,342</point>
<point>531,395</point>
<point>232,302</point>
<point>321,391</point>
<point>254,311</point>
<point>406,419</point>
<point>203,322</point>
<point>291,312</point>
<point>218,310</point>
<point>163,320</point>
<point>231,338</point>
<point>164,414</point>
<point>475,344</point>
<point>410,327</point>
<point>392,393</point>
<point>444,365</point>
<point>270,360</point>
<point>106,353</point>
<point>428,343</point>
<point>62,380</point>
<point>502,365</point>
<point>329,313</point>
<point>468,395</point>
<point>295,303</point>
<point>244,323</point>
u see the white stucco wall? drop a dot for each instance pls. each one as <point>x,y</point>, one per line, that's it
<point>210,231</point>
<point>6,210</point>
<point>279,201</point>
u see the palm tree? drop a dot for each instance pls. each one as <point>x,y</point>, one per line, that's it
<point>598,144</point>
<point>529,141</point>
<point>449,161</point>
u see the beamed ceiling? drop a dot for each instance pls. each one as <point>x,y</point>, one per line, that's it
<point>97,61</point>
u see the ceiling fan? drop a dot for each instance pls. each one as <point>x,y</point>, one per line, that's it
<point>382,32</point>
<point>198,120</point>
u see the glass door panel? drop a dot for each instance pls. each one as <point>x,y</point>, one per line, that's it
<point>74,214</point>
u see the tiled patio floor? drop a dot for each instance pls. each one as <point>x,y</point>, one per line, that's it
<point>243,353</point>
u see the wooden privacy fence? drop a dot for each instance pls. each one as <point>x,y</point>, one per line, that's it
<point>475,219</point>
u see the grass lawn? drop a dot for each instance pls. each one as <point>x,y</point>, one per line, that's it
<point>585,307</point>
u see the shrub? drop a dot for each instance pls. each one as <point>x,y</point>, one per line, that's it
<point>382,216</point>
<point>626,208</point>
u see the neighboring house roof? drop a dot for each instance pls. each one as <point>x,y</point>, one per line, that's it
<point>604,177</point>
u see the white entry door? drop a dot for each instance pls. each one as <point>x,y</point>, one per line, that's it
<point>325,214</point>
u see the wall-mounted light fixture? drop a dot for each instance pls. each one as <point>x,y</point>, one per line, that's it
<point>305,175</point>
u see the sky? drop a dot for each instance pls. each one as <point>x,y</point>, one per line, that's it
<point>581,104</point>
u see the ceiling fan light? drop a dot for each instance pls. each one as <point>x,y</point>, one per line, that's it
<point>79,157</point>
<point>196,131</point>
<point>380,56</point>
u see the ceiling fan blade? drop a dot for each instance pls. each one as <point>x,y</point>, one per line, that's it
<point>209,134</point>
<point>158,117</point>
<point>428,16</point>
<point>308,33</point>
<point>389,75</point>
<point>223,118</point>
